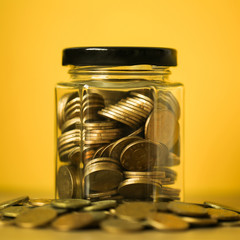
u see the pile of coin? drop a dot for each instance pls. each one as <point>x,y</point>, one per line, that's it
<point>115,216</point>
<point>123,150</point>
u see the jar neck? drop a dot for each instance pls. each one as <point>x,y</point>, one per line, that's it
<point>145,72</point>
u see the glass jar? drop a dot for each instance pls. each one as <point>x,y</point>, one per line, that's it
<point>119,125</point>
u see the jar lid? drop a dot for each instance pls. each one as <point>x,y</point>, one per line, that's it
<point>117,56</point>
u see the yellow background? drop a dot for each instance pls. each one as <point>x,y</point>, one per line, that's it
<point>206,35</point>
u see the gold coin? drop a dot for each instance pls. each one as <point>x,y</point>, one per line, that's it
<point>119,225</point>
<point>106,151</point>
<point>101,205</point>
<point>71,124</point>
<point>200,222</point>
<point>14,211</point>
<point>99,151</point>
<point>166,221</point>
<point>114,117</point>
<point>138,188</point>
<point>162,127</point>
<point>135,210</point>
<point>90,96</point>
<point>100,125</point>
<point>142,155</point>
<point>74,114</point>
<point>102,160</point>
<point>39,202</point>
<point>36,217</point>
<point>103,177</point>
<point>70,203</point>
<point>150,174</point>
<point>223,214</point>
<point>187,209</point>
<point>119,145</point>
<point>130,112</point>
<point>139,95</point>
<point>221,206</point>
<point>14,201</point>
<point>73,221</point>
<point>133,108</point>
<point>103,194</point>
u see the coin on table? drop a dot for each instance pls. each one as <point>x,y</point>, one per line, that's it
<point>12,202</point>
<point>14,211</point>
<point>223,214</point>
<point>187,209</point>
<point>221,206</point>
<point>119,145</point>
<point>138,188</point>
<point>101,205</point>
<point>142,155</point>
<point>36,217</point>
<point>120,225</point>
<point>135,210</point>
<point>167,221</point>
<point>39,202</point>
<point>200,222</point>
<point>163,127</point>
<point>70,203</point>
<point>7,221</point>
<point>73,221</point>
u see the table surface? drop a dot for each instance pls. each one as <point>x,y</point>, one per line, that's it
<point>220,233</point>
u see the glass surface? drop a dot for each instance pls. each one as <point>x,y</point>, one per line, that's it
<point>119,134</point>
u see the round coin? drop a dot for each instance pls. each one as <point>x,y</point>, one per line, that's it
<point>223,214</point>
<point>36,217</point>
<point>70,203</point>
<point>119,225</point>
<point>162,127</point>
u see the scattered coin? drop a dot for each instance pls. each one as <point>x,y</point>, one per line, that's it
<point>135,210</point>
<point>13,202</point>
<point>200,222</point>
<point>119,225</point>
<point>14,211</point>
<point>223,214</point>
<point>166,221</point>
<point>187,209</point>
<point>221,206</point>
<point>70,203</point>
<point>38,202</point>
<point>101,205</point>
<point>36,217</point>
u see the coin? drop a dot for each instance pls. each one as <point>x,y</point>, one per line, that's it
<point>101,205</point>
<point>221,206</point>
<point>135,210</point>
<point>142,155</point>
<point>103,194</point>
<point>67,182</point>
<point>98,177</point>
<point>102,160</point>
<point>70,203</point>
<point>161,206</point>
<point>139,95</point>
<point>119,225</point>
<point>13,202</point>
<point>6,221</point>
<point>162,126</point>
<point>73,221</point>
<point>167,221</point>
<point>14,211</point>
<point>71,124</point>
<point>119,145</point>
<point>137,188</point>
<point>223,214</point>
<point>200,222</point>
<point>137,132</point>
<point>230,224</point>
<point>38,202</point>
<point>36,217</point>
<point>187,209</point>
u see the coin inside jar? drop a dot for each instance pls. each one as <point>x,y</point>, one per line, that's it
<point>142,155</point>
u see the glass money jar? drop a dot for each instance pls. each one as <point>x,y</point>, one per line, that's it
<point>119,125</point>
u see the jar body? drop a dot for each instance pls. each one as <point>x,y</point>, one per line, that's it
<point>119,134</point>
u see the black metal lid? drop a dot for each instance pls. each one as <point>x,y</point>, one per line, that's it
<point>117,56</point>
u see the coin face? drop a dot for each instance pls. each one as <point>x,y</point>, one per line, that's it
<point>166,221</point>
<point>70,203</point>
<point>223,214</point>
<point>187,209</point>
<point>163,127</point>
<point>135,210</point>
<point>73,221</point>
<point>35,217</point>
<point>141,155</point>
<point>119,225</point>
<point>119,145</point>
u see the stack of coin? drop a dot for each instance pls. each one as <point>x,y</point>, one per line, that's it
<point>102,175</point>
<point>131,111</point>
<point>127,148</point>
